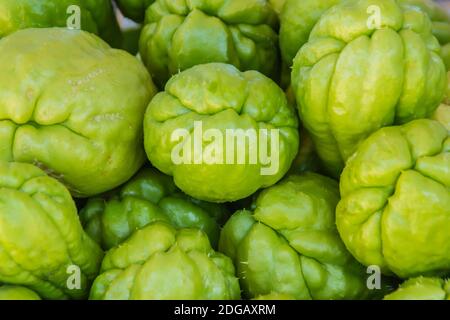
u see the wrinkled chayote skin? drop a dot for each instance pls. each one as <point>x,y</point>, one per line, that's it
<point>159,262</point>
<point>180,34</point>
<point>220,97</point>
<point>422,289</point>
<point>134,9</point>
<point>42,243</point>
<point>440,19</point>
<point>74,107</point>
<point>150,196</point>
<point>350,79</point>
<point>96,16</point>
<point>17,293</point>
<point>289,243</point>
<point>395,207</point>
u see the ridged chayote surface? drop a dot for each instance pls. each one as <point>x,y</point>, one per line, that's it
<point>159,262</point>
<point>180,34</point>
<point>150,196</point>
<point>351,78</point>
<point>41,238</point>
<point>96,16</point>
<point>289,243</point>
<point>422,289</point>
<point>73,106</point>
<point>220,97</point>
<point>134,9</point>
<point>395,207</point>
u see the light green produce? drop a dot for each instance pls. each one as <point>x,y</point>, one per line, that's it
<point>275,296</point>
<point>442,114</point>
<point>17,293</point>
<point>214,99</point>
<point>352,78</point>
<point>395,207</point>
<point>297,19</point>
<point>439,17</point>
<point>42,243</point>
<point>445,53</point>
<point>134,9</point>
<point>277,5</point>
<point>289,243</point>
<point>96,16</point>
<point>180,34</point>
<point>72,106</point>
<point>422,289</point>
<point>160,263</point>
<point>150,196</point>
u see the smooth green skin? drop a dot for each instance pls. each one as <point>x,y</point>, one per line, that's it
<point>289,243</point>
<point>134,9</point>
<point>159,262</point>
<point>17,293</point>
<point>395,207</point>
<point>74,107</point>
<point>297,19</point>
<point>445,53</point>
<point>422,289</point>
<point>150,196</point>
<point>350,81</point>
<point>442,114</point>
<point>96,16</point>
<point>180,34</point>
<point>277,5</point>
<point>41,235</point>
<point>222,98</point>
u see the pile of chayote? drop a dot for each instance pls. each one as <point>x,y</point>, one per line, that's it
<point>224,150</point>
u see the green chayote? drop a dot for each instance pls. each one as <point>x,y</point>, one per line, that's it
<point>134,9</point>
<point>277,5</point>
<point>96,16</point>
<point>289,243</point>
<point>72,106</point>
<point>42,243</point>
<point>150,196</point>
<point>353,77</point>
<point>275,296</point>
<point>180,34</point>
<point>159,262</point>
<point>422,289</point>
<point>445,53</point>
<point>17,293</point>
<point>210,129</point>
<point>395,206</point>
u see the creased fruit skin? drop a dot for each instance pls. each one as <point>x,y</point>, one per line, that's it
<point>422,288</point>
<point>159,262</point>
<point>395,206</point>
<point>41,239</point>
<point>221,98</point>
<point>17,293</point>
<point>96,16</point>
<point>289,243</point>
<point>181,34</point>
<point>148,197</point>
<point>73,106</point>
<point>352,78</point>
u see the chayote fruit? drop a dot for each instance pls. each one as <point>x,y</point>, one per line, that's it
<point>445,53</point>
<point>289,243</point>
<point>42,243</point>
<point>275,296</point>
<point>212,128</point>
<point>134,9</point>
<point>352,78</point>
<point>72,106</point>
<point>180,34</point>
<point>422,289</point>
<point>277,5</point>
<point>17,293</point>
<point>395,206</point>
<point>297,19</point>
<point>96,16</point>
<point>440,18</point>
<point>150,196</point>
<point>159,262</point>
